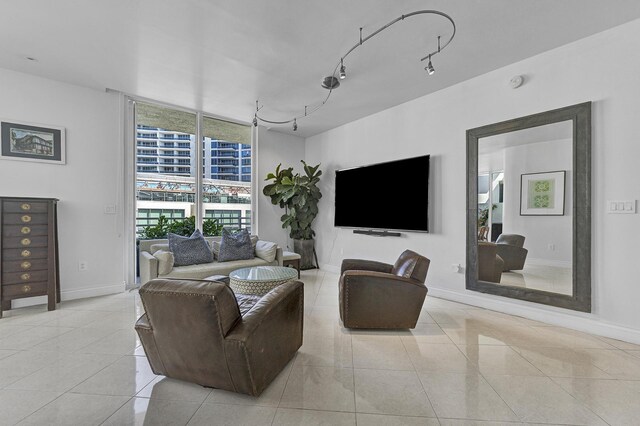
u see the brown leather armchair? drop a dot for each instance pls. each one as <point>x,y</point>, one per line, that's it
<point>198,332</point>
<point>490,264</point>
<point>379,295</point>
<point>510,249</point>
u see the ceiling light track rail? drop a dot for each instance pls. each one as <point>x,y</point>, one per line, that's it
<point>339,72</point>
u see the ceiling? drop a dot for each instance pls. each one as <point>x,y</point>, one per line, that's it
<point>220,56</point>
<point>491,149</point>
<point>559,131</point>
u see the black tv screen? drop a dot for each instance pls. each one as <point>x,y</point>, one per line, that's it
<point>392,195</point>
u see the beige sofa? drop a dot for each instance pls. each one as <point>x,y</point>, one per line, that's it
<point>149,264</point>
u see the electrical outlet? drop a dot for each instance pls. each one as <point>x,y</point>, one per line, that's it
<point>621,207</point>
<point>109,209</point>
<point>83,265</point>
<point>551,247</point>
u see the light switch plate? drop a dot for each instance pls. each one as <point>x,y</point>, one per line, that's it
<point>109,209</point>
<point>621,207</point>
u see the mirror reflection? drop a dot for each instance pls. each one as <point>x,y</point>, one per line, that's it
<point>524,208</point>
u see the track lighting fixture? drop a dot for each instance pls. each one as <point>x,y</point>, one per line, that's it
<point>332,81</point>
<point>430,69</point>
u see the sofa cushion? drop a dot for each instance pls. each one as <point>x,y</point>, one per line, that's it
<point>165,261</point>
<point>191,250</point>
<point>266,250</point>
<point>235,246</point>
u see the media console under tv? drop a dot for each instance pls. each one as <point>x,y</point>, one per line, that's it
<point>377,233</point>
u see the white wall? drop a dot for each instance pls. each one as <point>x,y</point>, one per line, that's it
<point>274,148</point>
<point>603,69</point>
<point>91,178</point>
<point>540,231</point>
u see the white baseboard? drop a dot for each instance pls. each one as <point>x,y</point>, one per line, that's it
<point>80,293</point>
<point>575,321</point>
<point>83,293</point>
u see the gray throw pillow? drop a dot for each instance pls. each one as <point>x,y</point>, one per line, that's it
<point>191,250</point>
<point>235,246</point>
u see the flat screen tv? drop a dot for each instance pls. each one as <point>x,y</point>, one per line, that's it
<point>392,195</point>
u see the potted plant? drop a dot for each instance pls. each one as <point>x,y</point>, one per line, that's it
<point>299,196</point>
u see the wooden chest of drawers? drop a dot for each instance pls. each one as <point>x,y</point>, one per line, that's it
<point>28,250</point>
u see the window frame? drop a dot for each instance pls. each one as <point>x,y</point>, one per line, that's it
<point>129,137</point>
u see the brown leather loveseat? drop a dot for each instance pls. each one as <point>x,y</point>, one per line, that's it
<point>198,332</point>
<point>379,295</point>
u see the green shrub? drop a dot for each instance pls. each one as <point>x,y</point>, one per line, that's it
<point>185,227</point>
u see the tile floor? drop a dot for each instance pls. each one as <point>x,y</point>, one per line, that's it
<point>541,277</point>
<point>82,365</point>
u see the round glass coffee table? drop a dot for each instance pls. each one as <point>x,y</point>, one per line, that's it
<point>260,280</point>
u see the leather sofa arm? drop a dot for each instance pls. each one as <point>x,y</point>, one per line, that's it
<point>371,299</point>
<point>148,267</point>
<point>145,332</point>
<point>514,257</point>
<point>364,265</point>
<point>266,338</point>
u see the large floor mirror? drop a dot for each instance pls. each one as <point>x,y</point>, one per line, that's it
<point>529,208</point>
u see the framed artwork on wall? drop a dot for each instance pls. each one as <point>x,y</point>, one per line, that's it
<point>32,142</point>
<point>542,194</point>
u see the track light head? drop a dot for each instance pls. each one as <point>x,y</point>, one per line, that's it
<point>295,125</point>
<point>429,68</point>
<point>343,72</point>
<point>330,83</point>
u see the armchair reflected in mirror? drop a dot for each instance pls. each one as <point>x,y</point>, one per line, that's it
<point>528,200</point>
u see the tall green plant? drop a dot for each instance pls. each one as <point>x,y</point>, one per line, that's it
<point>298,195</point>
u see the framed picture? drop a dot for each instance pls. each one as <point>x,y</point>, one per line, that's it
<point>542,194</point>
<point>32,142</point>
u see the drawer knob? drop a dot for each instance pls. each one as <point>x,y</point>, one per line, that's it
<point>26,218</point>
<point>25,265</point>
<point>26,288</point>
<point>25,253</point>
<point>25,277</point>
<point>25,206</point>
<point>25,230</point>
<point>25,241</point>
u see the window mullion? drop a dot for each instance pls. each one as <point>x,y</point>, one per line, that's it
<point>198,172</point>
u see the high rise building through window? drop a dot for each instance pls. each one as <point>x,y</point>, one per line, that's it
<point>173,153</point>
<point>166,165</point>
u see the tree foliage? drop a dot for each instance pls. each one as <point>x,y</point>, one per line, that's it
<point>298,195</point>
<point>210,227</point>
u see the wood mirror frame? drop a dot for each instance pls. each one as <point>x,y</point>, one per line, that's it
<point>580,300</point>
